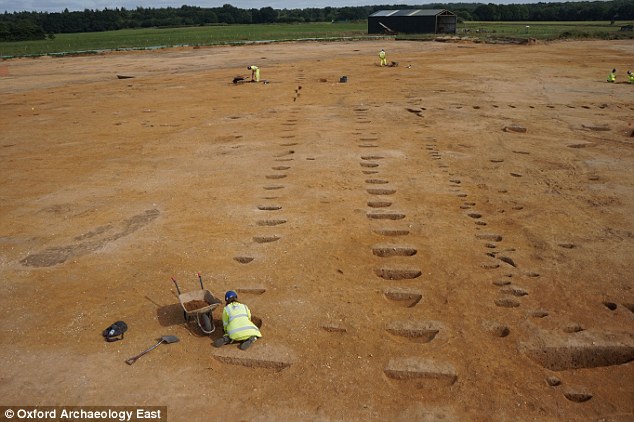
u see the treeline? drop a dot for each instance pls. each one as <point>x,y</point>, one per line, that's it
<point>18,26</point>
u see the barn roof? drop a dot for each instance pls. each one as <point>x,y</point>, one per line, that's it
<point>409,12</point>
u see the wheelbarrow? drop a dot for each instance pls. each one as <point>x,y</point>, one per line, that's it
<point>198,305</point>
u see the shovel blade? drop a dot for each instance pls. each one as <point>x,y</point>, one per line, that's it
<point>170,339</point>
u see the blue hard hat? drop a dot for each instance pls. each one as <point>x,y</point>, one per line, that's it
<point>230,295</point>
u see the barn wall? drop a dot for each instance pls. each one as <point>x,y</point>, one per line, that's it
<point>403,24</point>
<point>374,27</point>
<point>413,24</point>
<point>447,24</point>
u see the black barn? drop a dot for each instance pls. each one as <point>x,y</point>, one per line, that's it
<point>412,21</point>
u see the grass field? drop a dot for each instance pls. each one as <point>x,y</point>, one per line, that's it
<point>223,34</point>
<point>199,35</point>
<point>545,30</point>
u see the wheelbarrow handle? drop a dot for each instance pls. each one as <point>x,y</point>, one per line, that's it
<point>176,284</point>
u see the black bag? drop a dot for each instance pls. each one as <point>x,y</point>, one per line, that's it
<point>115,331</point>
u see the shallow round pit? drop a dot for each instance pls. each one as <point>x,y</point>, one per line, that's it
<point>269,207</point>
<point>265,239</point>
<point>251,290</point>
<point>413,334</point>
<point>270,222</point>
<point>392,232</point>
<point>489,236</point>
<point>507,303</point>
<point>577,396</point>
<point>376,191</point>
<point>385,216</point>
<point>404,298</point>
<point>610,305</point>
<point>398,273</point>
<point>393,250</point>
<point>379,204</point>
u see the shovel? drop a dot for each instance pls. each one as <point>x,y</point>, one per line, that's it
<point>164,339</point>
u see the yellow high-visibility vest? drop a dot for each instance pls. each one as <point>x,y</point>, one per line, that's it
<point>236,320</point>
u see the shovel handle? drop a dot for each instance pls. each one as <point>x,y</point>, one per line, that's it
<point>134,358</point>
<point>200,279</point>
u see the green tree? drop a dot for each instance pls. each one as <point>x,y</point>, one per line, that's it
<point>268,15</point>
<point>487,12</point>
<point>24,30</point>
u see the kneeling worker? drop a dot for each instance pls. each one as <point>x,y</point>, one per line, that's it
<point>255,73</point>
<point>612,76</point>
<point>236,320</point>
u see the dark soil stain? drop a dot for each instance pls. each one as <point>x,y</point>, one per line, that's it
<point>60,254</point>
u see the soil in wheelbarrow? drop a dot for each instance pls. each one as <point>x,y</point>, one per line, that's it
<point>192,305</point>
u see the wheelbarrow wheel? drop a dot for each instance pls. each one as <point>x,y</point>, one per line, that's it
<point>205,322</point>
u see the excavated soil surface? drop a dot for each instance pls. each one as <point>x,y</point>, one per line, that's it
<point>449,239</point>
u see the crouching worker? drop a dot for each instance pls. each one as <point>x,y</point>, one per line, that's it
<point>255,73</point>
<point>612,76</point>
<point>236,320</point>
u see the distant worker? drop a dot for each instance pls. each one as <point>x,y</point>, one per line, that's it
<point>630,77</point>
<point>612,76</point>
<point>382,57</point>
<point>255,73</point>
<point>236,320</point>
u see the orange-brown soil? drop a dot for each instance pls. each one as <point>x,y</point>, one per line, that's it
<point>449,239</point>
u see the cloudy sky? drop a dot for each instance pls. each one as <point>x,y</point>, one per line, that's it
<point>60,5</point>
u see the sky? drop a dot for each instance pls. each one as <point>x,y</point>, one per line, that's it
<point>60,5</point>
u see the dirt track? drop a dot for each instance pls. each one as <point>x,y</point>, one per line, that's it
<point>409,257</point>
